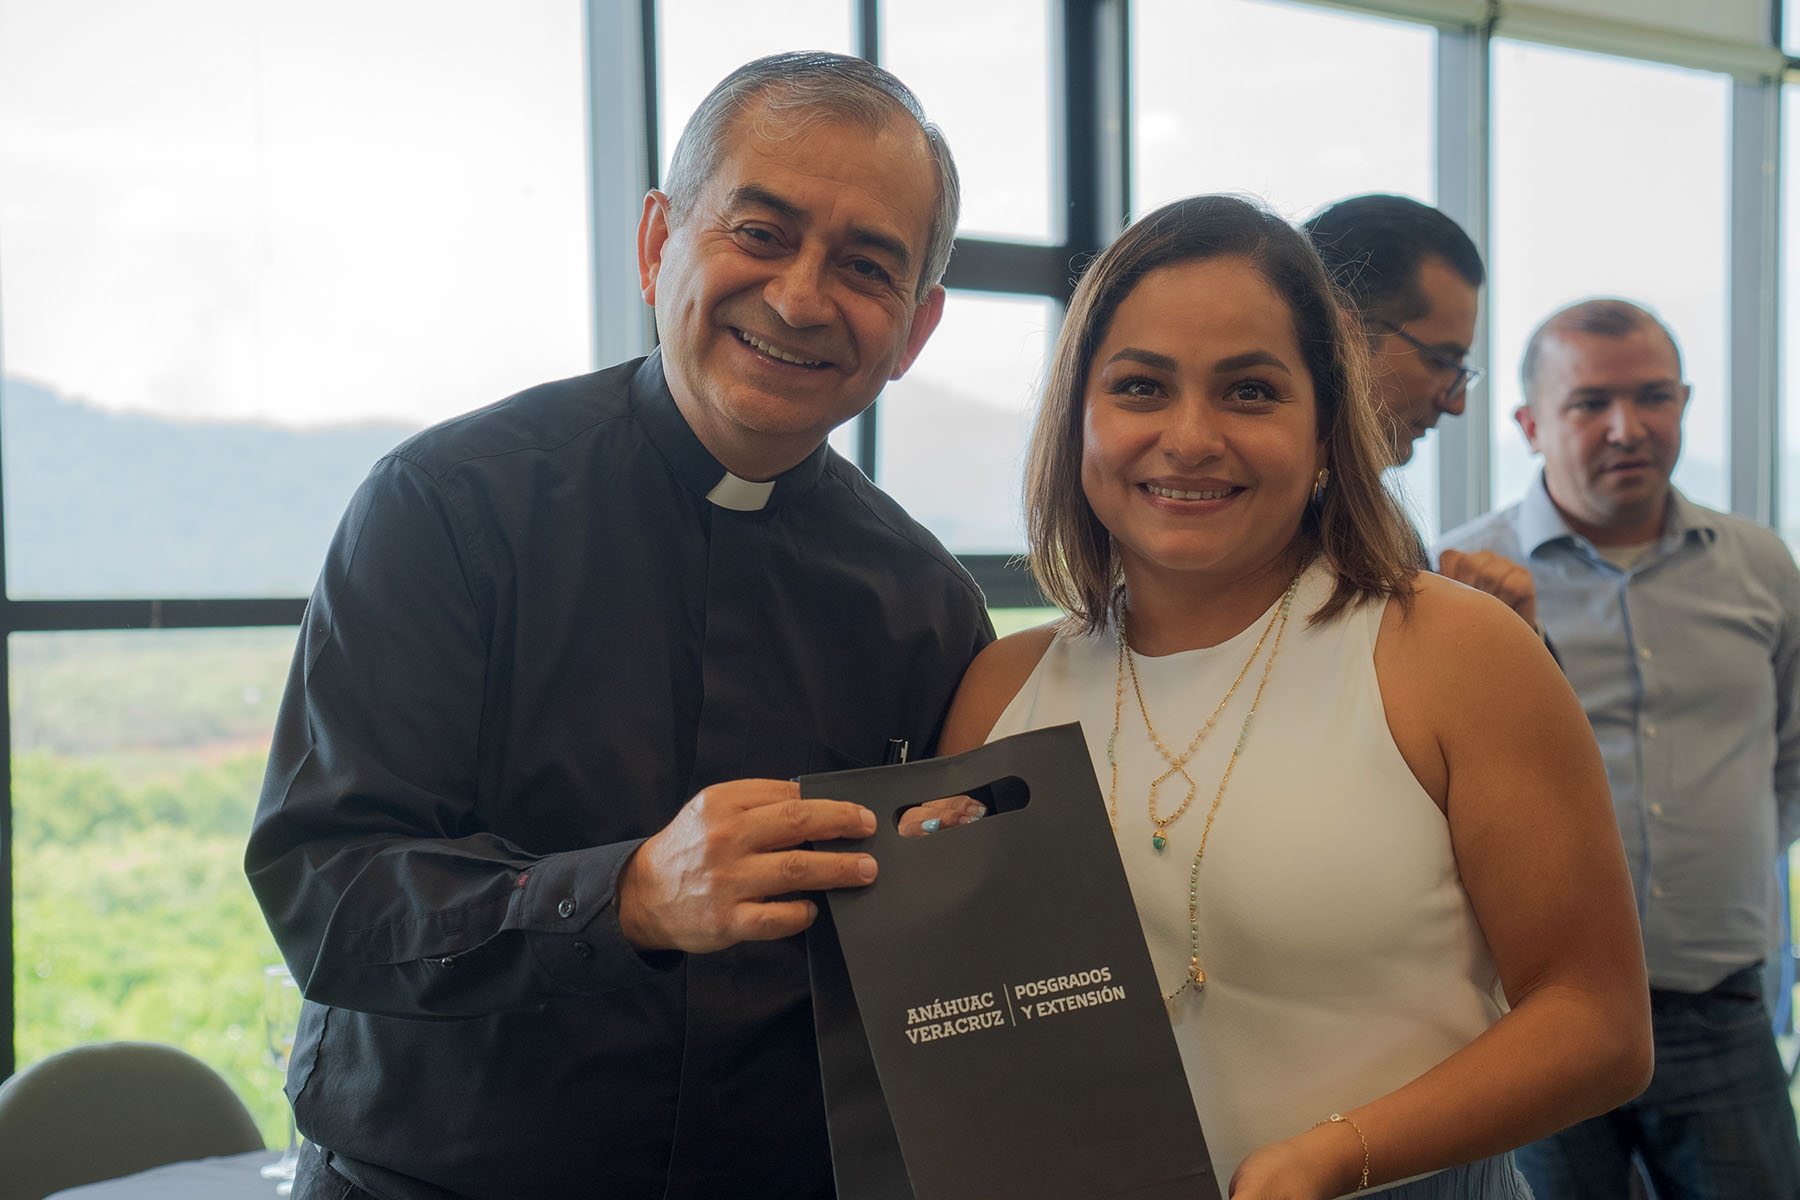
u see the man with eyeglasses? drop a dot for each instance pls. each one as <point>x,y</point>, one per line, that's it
<point>1679,629</point>
<point>1415,279</point>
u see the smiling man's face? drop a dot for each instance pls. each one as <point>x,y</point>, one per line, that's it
<point>788,296</point>
<point>1606,415</point>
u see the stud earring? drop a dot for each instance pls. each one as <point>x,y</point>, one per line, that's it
<point>1319,483</point>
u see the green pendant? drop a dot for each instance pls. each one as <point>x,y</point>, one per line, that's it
<point>1157,840</point>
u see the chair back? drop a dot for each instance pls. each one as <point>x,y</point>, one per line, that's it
<point>113,1108</point>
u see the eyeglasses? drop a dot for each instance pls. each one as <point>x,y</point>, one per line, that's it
<point>1466,376</point>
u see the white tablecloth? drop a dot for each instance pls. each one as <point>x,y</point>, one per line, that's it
<point>238,1177</point>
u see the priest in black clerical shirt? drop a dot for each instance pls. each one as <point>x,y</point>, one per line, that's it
<point>527,837</point>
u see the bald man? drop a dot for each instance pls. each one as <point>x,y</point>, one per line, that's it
<point>1679,628</point>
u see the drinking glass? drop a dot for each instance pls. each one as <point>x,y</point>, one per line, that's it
<point>281,1017</point>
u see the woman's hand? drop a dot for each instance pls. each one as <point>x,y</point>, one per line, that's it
<point>934,815</point>
<point>1306,1167</point>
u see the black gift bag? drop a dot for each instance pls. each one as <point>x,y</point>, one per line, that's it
<point>989,1023</point>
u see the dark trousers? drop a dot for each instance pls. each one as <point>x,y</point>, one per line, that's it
<point>1715,1123</point>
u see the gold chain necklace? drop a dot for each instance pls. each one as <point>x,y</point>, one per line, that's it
<point>1195,976</point>
<point>1178,765</point>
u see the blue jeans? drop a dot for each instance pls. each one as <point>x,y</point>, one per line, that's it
<point>1489,1179</point>
<point>1715,1124</point>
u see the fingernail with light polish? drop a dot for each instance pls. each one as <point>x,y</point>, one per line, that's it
<point>930,824</point>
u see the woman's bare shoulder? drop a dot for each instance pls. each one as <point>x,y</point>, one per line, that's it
<point>1460,665</point>
<point>990,684</point>
<point>1447,617</point>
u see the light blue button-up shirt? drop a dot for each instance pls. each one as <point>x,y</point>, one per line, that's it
<point>1688,665</point>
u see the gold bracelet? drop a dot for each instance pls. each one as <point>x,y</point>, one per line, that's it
<point>1341,1119</point>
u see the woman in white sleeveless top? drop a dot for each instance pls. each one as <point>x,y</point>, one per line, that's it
<point>1391,913</point>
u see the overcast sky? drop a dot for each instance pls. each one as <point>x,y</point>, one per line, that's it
<point>348,210</point>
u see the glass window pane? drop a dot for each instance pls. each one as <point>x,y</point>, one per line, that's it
<point>141,504</point>
<point>1416,485</point>
<point>1209,117</point>
<point>699,42</point>
<point>1012,620</point>
<point>1790,307</point>
<point>1279,100</point>
<point>1630,200</point>
<point>988,88</point>
<point>952,432</point>
<point>227,228</point>
<point>137,758</point>
<point>844,439</point>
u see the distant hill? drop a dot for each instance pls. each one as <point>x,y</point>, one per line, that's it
<point>102,504</point>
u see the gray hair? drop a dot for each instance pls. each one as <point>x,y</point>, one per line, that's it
<point>797,90</point>
<point>1607,317</point>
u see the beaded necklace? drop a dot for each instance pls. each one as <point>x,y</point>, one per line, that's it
<point>1177,763</point>
<point>1195,976</point>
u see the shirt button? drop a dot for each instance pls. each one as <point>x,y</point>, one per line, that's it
<point>1649,731</point>
<point>565,907</point>
<point>584,950</point>
<point>1644,653</point>
<point>1656,810</point>
<point>1656,890</point>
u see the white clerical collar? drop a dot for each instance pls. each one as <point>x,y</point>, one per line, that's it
<point>740,495</point>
